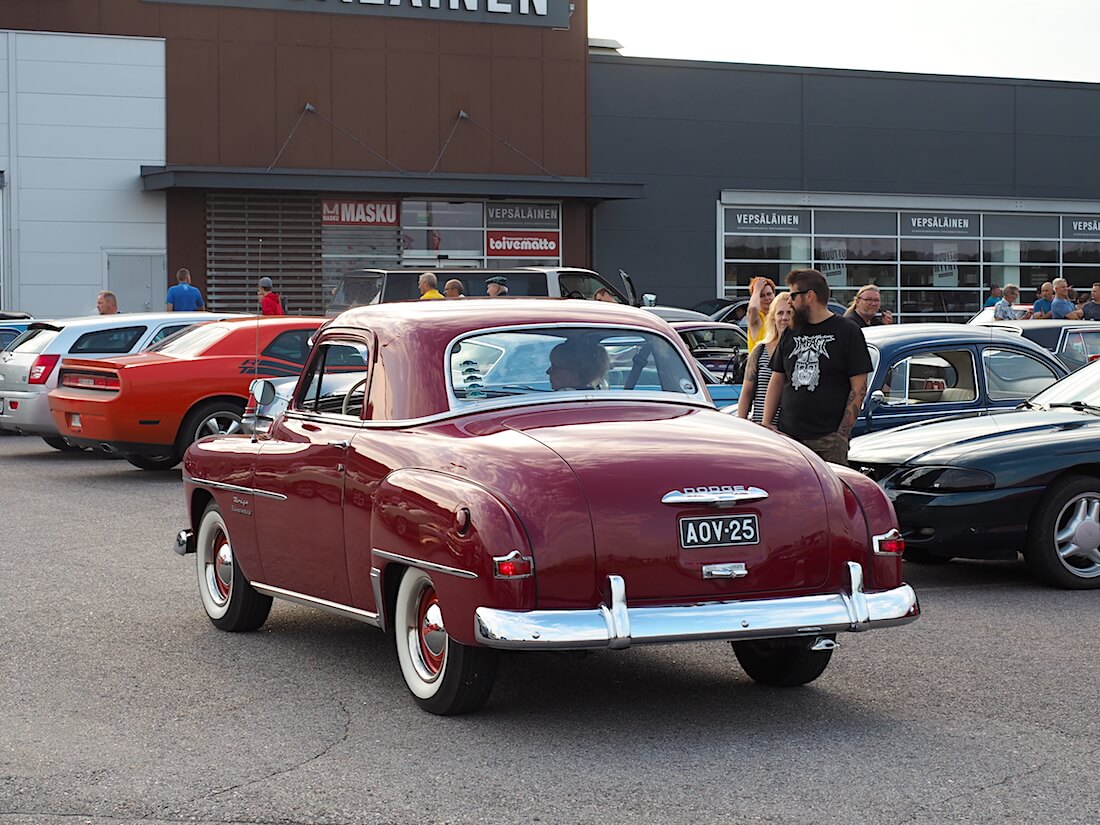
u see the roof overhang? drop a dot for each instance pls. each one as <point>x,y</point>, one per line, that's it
<point>158,178</point>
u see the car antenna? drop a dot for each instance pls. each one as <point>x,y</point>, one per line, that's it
<point>256,359</point>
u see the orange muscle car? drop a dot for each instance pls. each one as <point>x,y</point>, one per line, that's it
<point>149,407</point>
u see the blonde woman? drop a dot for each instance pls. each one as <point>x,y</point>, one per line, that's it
<point>758,371</point>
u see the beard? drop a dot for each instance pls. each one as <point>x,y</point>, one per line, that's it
<point>800,317</point>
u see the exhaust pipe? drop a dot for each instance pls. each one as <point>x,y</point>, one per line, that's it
<point>107,448</point>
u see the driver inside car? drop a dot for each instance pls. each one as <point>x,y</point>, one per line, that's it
<point>578,365</point>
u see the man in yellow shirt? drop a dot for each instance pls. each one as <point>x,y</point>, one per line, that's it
<point>429,287</point>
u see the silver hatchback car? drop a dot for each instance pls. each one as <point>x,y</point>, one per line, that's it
<point>28,368</point>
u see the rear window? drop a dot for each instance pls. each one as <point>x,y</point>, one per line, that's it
<point>34,340</point>
<point>192,341</point>
<point>164,332</point>
<point>111,341</point>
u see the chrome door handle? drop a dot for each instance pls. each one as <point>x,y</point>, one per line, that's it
<point>714,496</point>
<point>343,445</point>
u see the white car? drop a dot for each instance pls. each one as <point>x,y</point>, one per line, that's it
<point>28,368</point>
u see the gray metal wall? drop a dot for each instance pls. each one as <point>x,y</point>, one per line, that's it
<point>688,130</point>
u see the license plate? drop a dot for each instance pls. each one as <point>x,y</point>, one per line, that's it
<point>719,531</point>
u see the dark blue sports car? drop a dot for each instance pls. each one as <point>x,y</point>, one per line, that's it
<point>987,487</point>
<point>924,372</point>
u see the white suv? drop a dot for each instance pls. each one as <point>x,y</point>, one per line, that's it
<point>28,368</point>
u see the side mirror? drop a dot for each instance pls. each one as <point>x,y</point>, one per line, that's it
<point>262,391</point>
<point>649,299</point>
<point>878,398</point>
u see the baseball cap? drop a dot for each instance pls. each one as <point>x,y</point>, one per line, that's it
<point>265,283</point>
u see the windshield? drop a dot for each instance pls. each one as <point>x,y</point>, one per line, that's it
<point>191,341</point>
<point>529,361</point>
<point>1083,385</point>
<point>358,289</point>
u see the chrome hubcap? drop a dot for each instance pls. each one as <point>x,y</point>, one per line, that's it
<point>219,571</point>
<point>427,636</point>
<point>1077,535</point>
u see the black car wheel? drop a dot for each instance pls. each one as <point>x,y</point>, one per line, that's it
<point>783,662</point>
<point>444,676</point>
<point>228,597</point>
<point>152,463</point>
<point>1063,541</point>
<point>210,418</point>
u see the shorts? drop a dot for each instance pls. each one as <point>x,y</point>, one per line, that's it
<point>832,447</point>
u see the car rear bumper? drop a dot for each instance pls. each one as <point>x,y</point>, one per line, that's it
<point>31,416</point>
<point>619,626</point>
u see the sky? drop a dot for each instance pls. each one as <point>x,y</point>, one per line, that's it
<point>1038,39</point>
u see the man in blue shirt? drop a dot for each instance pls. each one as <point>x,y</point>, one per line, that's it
<point>1041,307</point>
<point>183,297</point>
<point>1062,306</point>
<point>994,296</point>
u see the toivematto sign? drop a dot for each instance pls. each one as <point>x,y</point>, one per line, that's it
<point>548,13</point>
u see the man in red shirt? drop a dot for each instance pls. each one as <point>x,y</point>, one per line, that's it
<point>270,303</point>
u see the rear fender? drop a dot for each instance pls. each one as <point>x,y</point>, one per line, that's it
<point>419,519</point>
<point>881,572</point>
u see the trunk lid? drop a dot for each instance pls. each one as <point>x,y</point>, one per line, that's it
<point>627,463</point>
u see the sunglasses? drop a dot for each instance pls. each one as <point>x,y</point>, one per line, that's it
<point>795,293</point>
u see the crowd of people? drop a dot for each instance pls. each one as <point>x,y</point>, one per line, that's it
<point>1054,299</point>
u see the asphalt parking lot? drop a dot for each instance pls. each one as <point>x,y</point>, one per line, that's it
<point>124,705</point>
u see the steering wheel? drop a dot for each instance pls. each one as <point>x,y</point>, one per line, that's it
<point>574,293</point>
<point>347,396</point>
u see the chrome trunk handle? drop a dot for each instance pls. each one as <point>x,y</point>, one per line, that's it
<point>713,496</point>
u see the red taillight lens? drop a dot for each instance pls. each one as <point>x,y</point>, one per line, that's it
<point>89,381</point>
<point>890,544</point>
<point>512,566</point>
<point>41,368</point>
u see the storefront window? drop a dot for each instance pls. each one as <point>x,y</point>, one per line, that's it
<point>1020,251</point>
<point>943,275</point>
<point>856,249</point>
<point>920,249</point>
<point>1081,252</point>
<point>765,248</point>
<point>442,214</point>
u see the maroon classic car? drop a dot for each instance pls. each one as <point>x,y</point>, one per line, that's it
<point>529,474</point>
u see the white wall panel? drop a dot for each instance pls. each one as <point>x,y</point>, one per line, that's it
<point>85,114</point>
<point>94,79</point>
<point>86,110</point>
<point>79,173</point>
<point>142,145</point>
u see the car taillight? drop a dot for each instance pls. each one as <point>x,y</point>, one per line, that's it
<point>513,566</point>
<point>41,368</point>
<point>889,544</point>
<point>88,381</point>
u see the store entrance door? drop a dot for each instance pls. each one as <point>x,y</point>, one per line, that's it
<point>138,281</point>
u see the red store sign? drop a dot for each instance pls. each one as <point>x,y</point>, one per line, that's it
<point>519,243</point>
<point>359,213</point>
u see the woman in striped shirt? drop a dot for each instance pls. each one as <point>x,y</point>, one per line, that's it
<point>758,371</point>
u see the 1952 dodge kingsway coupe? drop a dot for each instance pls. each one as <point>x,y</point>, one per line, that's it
<point>520,475</point>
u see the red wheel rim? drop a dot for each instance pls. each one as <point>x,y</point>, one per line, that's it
<point>431,635</point>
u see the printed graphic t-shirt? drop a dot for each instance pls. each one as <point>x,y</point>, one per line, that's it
<point>819,361</point>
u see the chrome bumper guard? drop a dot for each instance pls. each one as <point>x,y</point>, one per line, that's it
<point>617,626</point>
<point>185,542</point>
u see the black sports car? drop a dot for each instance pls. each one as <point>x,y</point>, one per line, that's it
<point>988,487</point>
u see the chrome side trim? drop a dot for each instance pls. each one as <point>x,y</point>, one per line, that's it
<point>322,604</point>
<point>234,488</point>
<point>379,603</point>
<point>714,496</point>
<point>619,626</point>
<point>425,565</point>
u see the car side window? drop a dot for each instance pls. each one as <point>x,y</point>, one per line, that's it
<point>946,376</point>
<point>1080,347</point>
<point>1014,375</point>
<point>584,285</point>
<point>164,332</point>
<point>118,341</point>
<point>292,345</point>
<point>335,382</point>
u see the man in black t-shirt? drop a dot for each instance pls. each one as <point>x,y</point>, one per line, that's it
<point>819,371</point>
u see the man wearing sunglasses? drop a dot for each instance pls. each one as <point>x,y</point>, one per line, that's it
<point>819,371</point>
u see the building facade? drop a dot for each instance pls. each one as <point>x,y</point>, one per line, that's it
<point>303,139</point>
<point>933,188</point>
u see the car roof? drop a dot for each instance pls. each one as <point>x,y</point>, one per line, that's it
<point>124,319</point>
<point>953,333</point>
<point>708,324</point>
